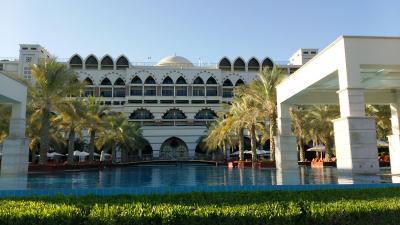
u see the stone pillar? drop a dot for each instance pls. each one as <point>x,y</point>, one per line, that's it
<point>394,139</point>
<point>15,157</point>
<point>285,142</point>
<point>355,134</point>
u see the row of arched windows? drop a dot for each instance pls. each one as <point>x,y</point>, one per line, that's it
<point>239,64</point>
<point>167,80</point>
<point>173,114</point>
<point>91,62</point>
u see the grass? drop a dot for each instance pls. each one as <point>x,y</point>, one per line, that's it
<point>336,207</point>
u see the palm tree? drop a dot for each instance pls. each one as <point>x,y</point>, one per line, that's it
<point>70,120</point>
<point>5,112</point>
<point>263,91</point>
<point>320,119</point>
<point>382,116</point>
<point>52,82</point>
<point>300,129</point>
<point>120,133</point>
<point>94,121</point>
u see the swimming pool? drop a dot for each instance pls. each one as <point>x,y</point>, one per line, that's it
<point>185,178</point>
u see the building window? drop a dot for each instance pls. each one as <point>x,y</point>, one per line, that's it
<point>168,91</point>
<point>205,114</point>
<point>174,114</point>
<point>119,92</point>
<point>227,93</point>
<point>212,91</point>
<point>150,91</point>
<point>141,114</point>
<point>136,91</point>
<point>1,67</point>
<point>198,91</point>
<point>181,91</point>
<point>28,59</point>
<point>106,93</point>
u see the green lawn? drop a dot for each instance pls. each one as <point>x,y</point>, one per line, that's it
<point>339,207</point>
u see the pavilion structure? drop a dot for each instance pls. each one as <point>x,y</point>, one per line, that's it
<point>351,72</point>
<point>15,155</point>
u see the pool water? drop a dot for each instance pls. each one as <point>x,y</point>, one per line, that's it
<point>194,175</point>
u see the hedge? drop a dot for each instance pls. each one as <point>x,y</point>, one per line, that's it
<point>338,207</point>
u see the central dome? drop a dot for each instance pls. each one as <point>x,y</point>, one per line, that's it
<point>175,61</point>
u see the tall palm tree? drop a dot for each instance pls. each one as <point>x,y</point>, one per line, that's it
<point>71,121</point>
<point>263,91</point>
<point>320,119</point>
<point>52,82</point>
<point>382,116</point>
<point>94,121</point>
<point>5,112</point>
<point>300,129</point>
<point>120,133</point>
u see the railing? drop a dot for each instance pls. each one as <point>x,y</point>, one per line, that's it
<point>8,59</point>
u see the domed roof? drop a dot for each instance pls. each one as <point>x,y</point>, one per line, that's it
<point>175,61</point>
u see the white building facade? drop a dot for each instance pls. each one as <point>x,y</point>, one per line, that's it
<point>173,99</point>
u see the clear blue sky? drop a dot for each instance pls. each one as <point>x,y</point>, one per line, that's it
<point>208,29</point>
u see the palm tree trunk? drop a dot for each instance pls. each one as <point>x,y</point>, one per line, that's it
<point>34,155</point>
<point>91,145</point>
<point>71,143</point>
<point>253,142</point>
<point>328,150</point>
<point>302,153</point>
<point>113,153</point>
<point>272,140</point>
<point>241,145</point>
<point>44,136</point>
<point>224,150</point>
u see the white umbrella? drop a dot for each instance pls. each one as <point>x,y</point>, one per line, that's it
<point>52,154</point>
<point>382,143</point>
<point>96,154</point>
<point>318,148</point>
<point>79,153</point>
<point>235,153</point>
<point>262,152</point>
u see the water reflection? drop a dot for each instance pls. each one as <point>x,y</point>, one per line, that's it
<point>191,175</point>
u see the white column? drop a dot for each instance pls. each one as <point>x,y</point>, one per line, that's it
<point>394,139</point>
<point>285,142</point>
<point>15,157</point>
<point>355,134</point>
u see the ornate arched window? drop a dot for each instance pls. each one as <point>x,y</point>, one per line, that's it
<point>150,80</point>
<point>88,81</point>
<point>198,80</point>
<point>225,64</point>
<point>239,65</point>
<point>119,82</point>
<point>107,63</point>
<point>91,63</point>
<point>76,62</point>
<point>253,65</point>
<point>239,82</point>
<point>205,114</point>
<point>211,80</point>
<point>106,82</point>
<point>227,83</point>
<point>174,114</point>
<point>267,63</point>
<point>181,80</point>
<point>122,63</point>
<point>168,80</point>
<point>141,114</point>
<point>136,80</point>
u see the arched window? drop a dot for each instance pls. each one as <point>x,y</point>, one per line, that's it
<point>225,64</point>
<point>253,65</point>
<point>122,63</point>
<point>76,62</point>
<point>150,80</point>
<point>88,81</point>
<point>267,63</point>
<point>239,65</point>
<point>106,82</point>
<point>141,114</point>
<point>239,82</point>
<point>136,80</point>
<point>205,114</point>
<point>181,80</point>
<point>91,63</point>
<point>168,80</point>
<point>119,82</point>
<point>198,80</point>
<point>174,114</point>
<point>227,83</point>
<point>211,80</point>
<point>107,63</point>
